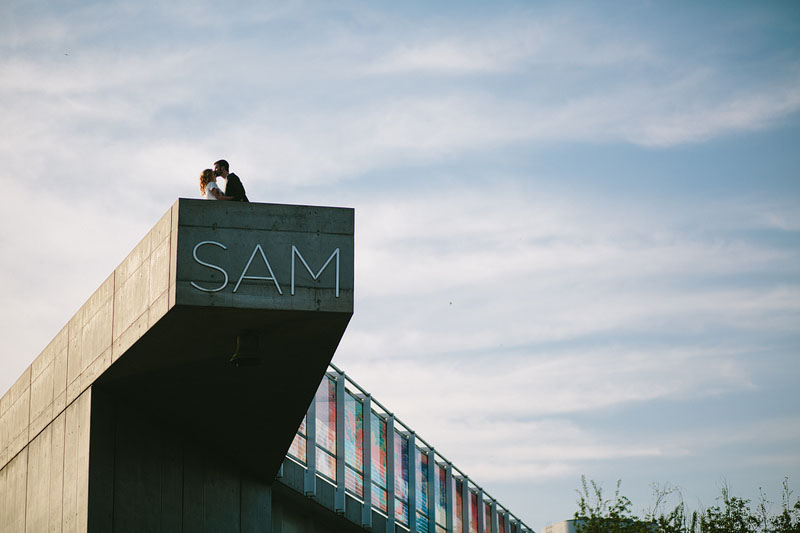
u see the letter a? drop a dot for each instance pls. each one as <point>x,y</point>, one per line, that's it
<point>267,278</point>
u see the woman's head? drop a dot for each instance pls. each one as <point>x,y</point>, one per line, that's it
<point>206,177</point>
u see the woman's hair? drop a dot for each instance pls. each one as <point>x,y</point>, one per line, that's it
<point>206,177</point>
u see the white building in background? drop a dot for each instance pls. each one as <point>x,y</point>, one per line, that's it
<point>566,526</point>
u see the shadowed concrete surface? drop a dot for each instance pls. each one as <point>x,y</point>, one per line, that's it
<point>148,476</point>
<point>134,405</point>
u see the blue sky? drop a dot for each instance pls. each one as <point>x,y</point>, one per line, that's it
<point>578,225</point>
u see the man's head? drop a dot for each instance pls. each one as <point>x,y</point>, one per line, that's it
<point>221,168</point>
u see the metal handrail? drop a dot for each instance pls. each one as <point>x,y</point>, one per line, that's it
<point>430,448</point>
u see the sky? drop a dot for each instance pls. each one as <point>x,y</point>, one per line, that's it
<point>577,224</point>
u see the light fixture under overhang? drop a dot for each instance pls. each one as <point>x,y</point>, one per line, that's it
<point>247,353</point>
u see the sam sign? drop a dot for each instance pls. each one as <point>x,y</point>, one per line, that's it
<point>264,256</point>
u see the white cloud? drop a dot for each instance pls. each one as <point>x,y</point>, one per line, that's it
<point>73,104</point>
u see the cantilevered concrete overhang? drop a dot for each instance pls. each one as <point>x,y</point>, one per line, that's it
<point>278,277</point>
<point>159,333</point>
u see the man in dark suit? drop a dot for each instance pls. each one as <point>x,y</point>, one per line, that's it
<point>233,185</point>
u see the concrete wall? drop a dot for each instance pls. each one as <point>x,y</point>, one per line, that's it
<point>44,416</point>
<point>125,305</point>
<point>45,486</point>
<point>49,481</point>
<point>144,287</point>
<point>146,475</point>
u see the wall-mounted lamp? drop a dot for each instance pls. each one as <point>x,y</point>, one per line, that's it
<point>247,353</point>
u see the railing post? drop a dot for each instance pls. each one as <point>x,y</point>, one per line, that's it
<point>494,518</point>
<point>413,469</point>
<point>481,511</point>
<point>366,510</point>
<point>432,499</point>
<point>390,485</point>
<point>310,481</point>
<point>465,502</point>
<point>340,447</point>
<point>451,509</point>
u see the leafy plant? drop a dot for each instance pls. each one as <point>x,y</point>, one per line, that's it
<point>596,514</point>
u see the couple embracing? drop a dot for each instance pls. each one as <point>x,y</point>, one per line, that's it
<point>234,190</point>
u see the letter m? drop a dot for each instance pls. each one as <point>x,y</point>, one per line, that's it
<point>296,252</point>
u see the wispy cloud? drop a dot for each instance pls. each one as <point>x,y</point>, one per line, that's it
<point>513,297</point>
<point>143,91</point>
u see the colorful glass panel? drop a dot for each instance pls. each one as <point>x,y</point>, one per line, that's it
<point>354,444</point>
<point>325,411</point>
<point>379,499</point>
<point>378,450</point>
<point>422,483</point>
<point>422,523</point>
<point>401,511</point>
<point>298,447</point>
<point>487,518</point>
<point>473,512</point>
<point>354,482</point>
<point>458,522</point>
<point>401,477</point>
<point>326,464</point>
<point>440,490</point>
<point>325,407</point>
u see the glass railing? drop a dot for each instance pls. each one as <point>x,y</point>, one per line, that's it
<point>351,441</point>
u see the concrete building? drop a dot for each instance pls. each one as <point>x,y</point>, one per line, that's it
<point>193,391</point>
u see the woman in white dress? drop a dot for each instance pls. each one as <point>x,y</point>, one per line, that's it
<point>209,188</point>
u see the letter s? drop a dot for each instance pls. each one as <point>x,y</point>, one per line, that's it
<point>209,265</point>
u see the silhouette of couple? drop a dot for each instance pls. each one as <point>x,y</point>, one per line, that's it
<point>234,190</point>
